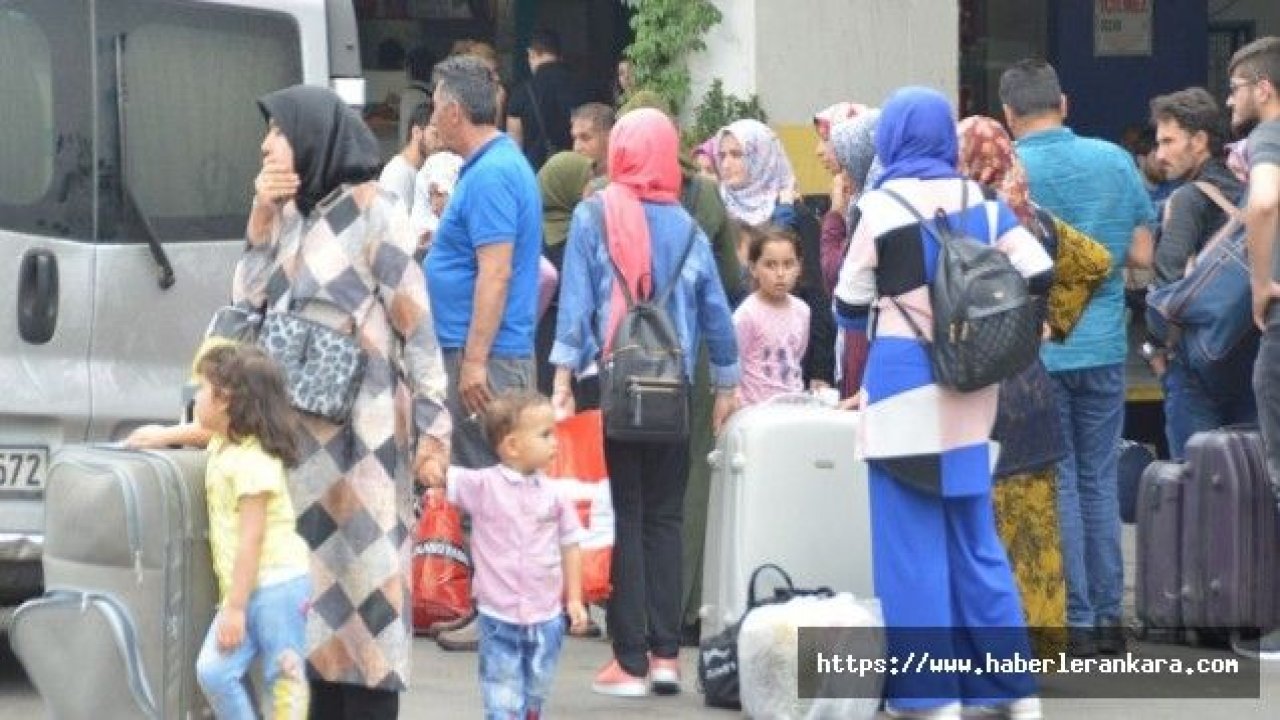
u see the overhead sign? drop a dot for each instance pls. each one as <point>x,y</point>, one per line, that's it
<point>1122,27</point>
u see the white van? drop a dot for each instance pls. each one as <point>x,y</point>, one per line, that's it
<point>129,140</point>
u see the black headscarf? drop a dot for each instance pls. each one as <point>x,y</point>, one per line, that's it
<point>331,144</point>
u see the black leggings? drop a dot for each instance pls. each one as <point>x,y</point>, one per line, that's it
<point>340,701</point>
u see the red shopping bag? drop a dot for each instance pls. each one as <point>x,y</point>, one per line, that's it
<point>582,478</point>
<point>441,567</point>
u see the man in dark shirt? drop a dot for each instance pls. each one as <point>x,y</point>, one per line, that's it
<point>1189,135</point>
<point>1255,98</point>
<point>538,113</point>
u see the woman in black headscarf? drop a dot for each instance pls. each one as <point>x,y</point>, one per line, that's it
<point>329,244</point>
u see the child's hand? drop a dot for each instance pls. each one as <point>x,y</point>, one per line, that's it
<point>148,436</point>
<point>578,617</point>
<point>230,629</point>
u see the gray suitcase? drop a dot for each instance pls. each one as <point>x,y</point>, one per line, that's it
<point>1159,581</point>
<point>786,488</point>
<point>129,586</point>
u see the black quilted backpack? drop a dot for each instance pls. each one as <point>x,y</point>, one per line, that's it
<point>985,325</point>
<point>644,392</point>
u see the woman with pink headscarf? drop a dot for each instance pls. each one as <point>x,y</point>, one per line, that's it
<point>637,223</point>
<point>758,186</point>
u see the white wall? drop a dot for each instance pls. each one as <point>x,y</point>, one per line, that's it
<point>800,57</point>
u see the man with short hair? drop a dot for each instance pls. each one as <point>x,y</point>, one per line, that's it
<point>538,111</point>
<point>1255,98</point>
<point>483,265</point>
<point>589,126</point>
<point>1093,185</point>
<point>420,141</point>
<point>1190,130</point>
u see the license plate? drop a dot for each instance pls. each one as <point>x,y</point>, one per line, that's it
<point>23,468</point>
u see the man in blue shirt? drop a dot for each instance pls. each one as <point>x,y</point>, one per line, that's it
<point>483,265</point>
<point>1093,185</point>
<point>482,268</point>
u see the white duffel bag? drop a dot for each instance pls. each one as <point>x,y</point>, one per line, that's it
<point>768,647</point>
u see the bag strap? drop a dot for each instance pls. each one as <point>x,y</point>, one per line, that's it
<point>1218,198</point>
<point>915,327</point>
<point>537,115</point>
<point>597,212</point>
<point>1231,211</point>
<point>755,574</point>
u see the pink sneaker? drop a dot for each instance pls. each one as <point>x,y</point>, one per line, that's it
<point>664,675</point>
<point>613,680</point>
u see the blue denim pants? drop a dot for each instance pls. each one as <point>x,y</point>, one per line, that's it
<point>275,631</point>
<point>1091,406</point>
<point>517,665</point>
<point>1192,405</point>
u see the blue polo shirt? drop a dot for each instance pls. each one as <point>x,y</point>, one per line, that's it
<point>496,200</point>
<point>1093,185</point>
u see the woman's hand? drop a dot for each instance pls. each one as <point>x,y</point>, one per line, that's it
<point>841,192</point>
<point>726,404</point>
<point>432,462</point>
<point>857,402</point>
<point>275,184</point>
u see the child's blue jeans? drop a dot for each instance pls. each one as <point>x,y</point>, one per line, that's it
<point>275,630</point>
<point>517,664</point>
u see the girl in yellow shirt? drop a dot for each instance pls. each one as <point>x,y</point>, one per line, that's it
<point>261,563</point>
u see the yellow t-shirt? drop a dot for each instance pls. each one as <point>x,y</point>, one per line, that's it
<point>234,471</point>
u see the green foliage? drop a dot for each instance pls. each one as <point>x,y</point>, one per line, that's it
<point>719,109</point>
<point>667,32</point>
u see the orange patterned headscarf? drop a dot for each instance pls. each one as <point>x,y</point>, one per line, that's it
<point>987,157</point>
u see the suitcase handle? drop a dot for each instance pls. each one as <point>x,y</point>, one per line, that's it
<point>751,586</point>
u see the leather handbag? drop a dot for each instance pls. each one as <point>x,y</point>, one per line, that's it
<point>323,367</point>
<point>1207,313</point>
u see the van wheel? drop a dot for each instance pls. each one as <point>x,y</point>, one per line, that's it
<point>20,581</point>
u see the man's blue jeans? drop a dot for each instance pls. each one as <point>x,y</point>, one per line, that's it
<point>1191,405</point>
<point>275,631</point>
<point>1091,404</point>
<point>517,665</point>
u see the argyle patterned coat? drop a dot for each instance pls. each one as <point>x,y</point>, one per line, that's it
<point>353,487</point>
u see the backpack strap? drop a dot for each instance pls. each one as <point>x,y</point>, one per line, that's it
<point>596,208</point>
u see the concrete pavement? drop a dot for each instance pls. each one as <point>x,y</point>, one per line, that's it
<point>445,686</point>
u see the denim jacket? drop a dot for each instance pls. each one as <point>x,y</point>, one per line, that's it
<point>697,307</point>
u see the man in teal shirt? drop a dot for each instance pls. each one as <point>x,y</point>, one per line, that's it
<point>1093,185</point>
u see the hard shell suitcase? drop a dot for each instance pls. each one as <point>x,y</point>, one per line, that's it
<point>786,488</point>
<point>130,590</point>
<point>1160,534</point>
<point>1231,538</point>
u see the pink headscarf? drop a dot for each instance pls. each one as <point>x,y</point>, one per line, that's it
<point>643,165</point>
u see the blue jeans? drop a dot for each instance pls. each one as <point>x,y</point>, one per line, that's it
<point>1192,405</point>
<point>1091,405</point>
<point>517,665</point>
<point>275,630</point>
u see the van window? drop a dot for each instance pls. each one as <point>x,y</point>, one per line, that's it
<point>46,154</point>
<point>187,82</point>
<point>26,115</point>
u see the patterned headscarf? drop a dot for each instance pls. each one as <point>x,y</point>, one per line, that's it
<point>827,118</point>
<point>987,156</point>
<point>854,142</point>
<point>768,172</point>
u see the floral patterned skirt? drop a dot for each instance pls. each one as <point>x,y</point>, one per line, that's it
<point>1026,509</point>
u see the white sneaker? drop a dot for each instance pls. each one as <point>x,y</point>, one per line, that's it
<point>950,711</point>
<point>1265,648</point>
<point>1027,708</point>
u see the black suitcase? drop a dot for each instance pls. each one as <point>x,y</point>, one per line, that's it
<point>1160,534</point>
